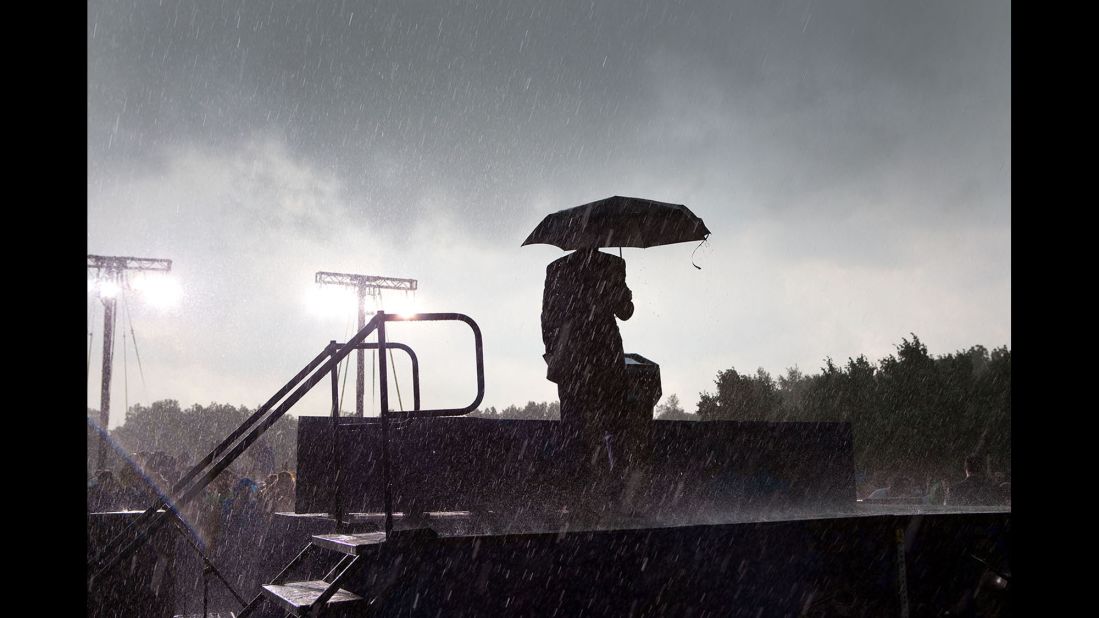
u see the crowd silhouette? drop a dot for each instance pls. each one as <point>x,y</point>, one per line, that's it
<point>978,487</point>
<point>228,520</point>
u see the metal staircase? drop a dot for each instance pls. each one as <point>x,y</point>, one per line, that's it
<point>308,597</point>
<point>312,597</point>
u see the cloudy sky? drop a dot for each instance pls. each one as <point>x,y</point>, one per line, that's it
<point>851,158</point>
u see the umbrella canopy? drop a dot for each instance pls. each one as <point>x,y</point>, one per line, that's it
<point>619,222</point>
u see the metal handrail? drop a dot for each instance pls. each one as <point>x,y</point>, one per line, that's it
<point>385,413</point>
<point>208,564</point>
<point>264,418</point>
<point>383,376</point>
<point>182,483</point>
<point>166,501</point>
<point>337,453</point>
<point>478,351</point>
<point>411,355</point>
<point>149,521</point>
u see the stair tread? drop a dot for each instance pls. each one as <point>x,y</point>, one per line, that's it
<point>349,543</point>
<point>297,596</point>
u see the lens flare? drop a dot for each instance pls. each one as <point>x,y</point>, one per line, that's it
<point>401,306</point>
<point>161,291</point>
<point>331,301</point>
<point>109,289</point>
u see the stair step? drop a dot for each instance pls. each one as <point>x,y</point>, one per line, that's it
<point>351,544</point>
<point>299,596</point>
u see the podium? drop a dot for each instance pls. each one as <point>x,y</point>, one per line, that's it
<point>642,388</point>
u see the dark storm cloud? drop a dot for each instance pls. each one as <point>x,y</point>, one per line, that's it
<point>491,101</point>
<point>822,96</point>
<point>852,159</point>
<point>448,94</point>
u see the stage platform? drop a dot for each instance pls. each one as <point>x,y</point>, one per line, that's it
<point>459,563</point>
<point>467,523</point>
<point>892,561</point>
<point>518,467</point>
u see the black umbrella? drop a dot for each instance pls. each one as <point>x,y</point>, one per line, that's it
<point>619,222</point>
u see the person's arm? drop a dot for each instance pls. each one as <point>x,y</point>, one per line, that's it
<point>551,321</point>
<point>623,297</point>
<point>625,311</point>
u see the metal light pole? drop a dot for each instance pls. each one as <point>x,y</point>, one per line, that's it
<point>108,360</point>
<point>360,355</point>
<point>365,285</point>
<point>110,270</point>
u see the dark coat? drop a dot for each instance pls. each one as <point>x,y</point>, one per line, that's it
<point>584,292</point>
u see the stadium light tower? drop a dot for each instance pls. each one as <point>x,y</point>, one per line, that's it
<point>365,285</point>
<point>108,273</point>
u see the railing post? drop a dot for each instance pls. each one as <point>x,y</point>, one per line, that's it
<point>383,379</point>
<point>415,380</point>
<point>337,453</point>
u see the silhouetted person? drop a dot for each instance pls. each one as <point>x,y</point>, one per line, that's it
<point>975,490</point>
<point>242,526</point>
<point>585,291</point>
<point>937,492</point>
<point>279,498</point>
<point>134,492</point>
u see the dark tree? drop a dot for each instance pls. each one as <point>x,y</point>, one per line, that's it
<point>911,411</point>
<point>670,410</point>
<point>193,433</point>
<point>534,410</point>
<point>740,397</point>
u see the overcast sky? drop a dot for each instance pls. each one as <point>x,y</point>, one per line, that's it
<point>851,159</point>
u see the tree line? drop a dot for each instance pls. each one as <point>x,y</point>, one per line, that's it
<point>189,434</point>
<point>909,410</point>
<point>532,411</point>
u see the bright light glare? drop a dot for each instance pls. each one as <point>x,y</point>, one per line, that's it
<point>402,306</point>
<point>331,301</point>
<point>160,291</point>
<point>109,289</point>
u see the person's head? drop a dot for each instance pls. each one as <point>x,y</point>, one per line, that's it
<point>973,465</point>
<point>244,486</point>
<point>285,479</point>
